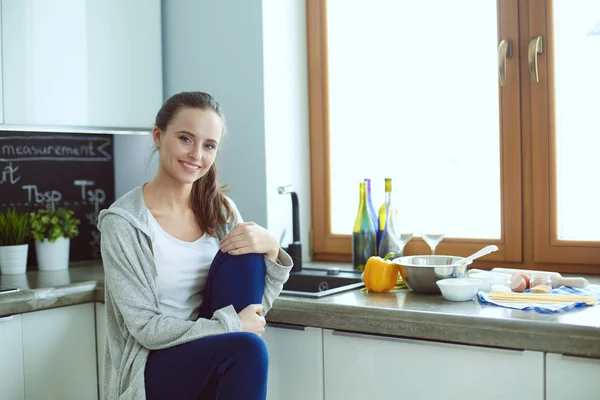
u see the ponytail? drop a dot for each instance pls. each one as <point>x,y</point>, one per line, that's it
<point>209,204</point>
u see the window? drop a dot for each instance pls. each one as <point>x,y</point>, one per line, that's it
<point>411,90</point>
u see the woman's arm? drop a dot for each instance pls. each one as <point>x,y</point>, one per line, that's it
<point>129,283</point>
<point>277,274</point>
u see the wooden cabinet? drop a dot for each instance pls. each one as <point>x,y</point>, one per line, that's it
<point>59,353</point>
<point>100,344</point>
<point>361,366</point>
<point>572,377</point>
<point>11,358</point>
<point>295,362</point>
<point>91,63</point>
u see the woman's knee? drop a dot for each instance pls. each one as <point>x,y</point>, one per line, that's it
<point>250,266</point>
<point>250,345</point>
<point>250,259</point>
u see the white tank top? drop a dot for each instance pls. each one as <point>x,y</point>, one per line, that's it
<point>182,268</point>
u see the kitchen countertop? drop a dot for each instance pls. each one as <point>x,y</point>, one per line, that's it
<point>83,282</point>
<point>397,313</point>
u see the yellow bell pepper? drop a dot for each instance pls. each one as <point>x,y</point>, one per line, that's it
<point>381,275</point>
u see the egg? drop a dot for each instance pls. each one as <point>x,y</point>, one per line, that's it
<point>518,283</point>
<point>527,279</point>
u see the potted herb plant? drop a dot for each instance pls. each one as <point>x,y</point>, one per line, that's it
<point>53,230</point>
<point>14,229</point>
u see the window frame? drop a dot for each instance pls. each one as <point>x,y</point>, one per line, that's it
<point>547,247</point>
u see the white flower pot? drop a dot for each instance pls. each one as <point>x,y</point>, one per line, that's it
<point>13,259</point>
<point>53,256</point>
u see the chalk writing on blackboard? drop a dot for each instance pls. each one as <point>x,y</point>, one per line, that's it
<point>9,175</point>
<point>20,148</point>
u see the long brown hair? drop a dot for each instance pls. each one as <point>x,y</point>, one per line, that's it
<point>207,199</point>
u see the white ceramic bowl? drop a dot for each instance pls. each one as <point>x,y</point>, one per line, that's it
<point>459,289</point>
<point>489,279</point>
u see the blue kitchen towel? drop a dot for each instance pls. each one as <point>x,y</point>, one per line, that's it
<point>590,290</point>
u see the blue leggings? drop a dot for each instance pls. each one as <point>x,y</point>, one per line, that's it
<point>223,367</point>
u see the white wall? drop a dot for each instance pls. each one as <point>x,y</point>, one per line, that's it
<point>251,55</point>
<point>216,47</point>
<point>133,164</point>
<point>286,114</point>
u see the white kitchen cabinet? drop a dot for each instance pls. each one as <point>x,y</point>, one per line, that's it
<point>575,378</point>
<point>82,62</point>
<point>295,362</point>
<point>12,384</point>
<point>376,367</point>
<point>59,353</point>
<point>100,344</point>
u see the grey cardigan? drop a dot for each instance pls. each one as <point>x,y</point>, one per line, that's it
<point>134,323</point>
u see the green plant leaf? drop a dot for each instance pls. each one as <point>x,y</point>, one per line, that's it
<point>50,224</point>
<point>14,227</point>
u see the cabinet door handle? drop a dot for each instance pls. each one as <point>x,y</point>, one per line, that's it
<point>426,342</point>
<point>286,326</point>
<point>536,46</point>
<point>387,338</point>
<point>505,50</point>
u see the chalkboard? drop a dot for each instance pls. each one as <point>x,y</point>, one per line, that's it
<point>74,171</point>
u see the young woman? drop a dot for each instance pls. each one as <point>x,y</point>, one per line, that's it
<point>187,282</point>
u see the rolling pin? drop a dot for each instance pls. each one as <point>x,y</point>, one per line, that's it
<point>557,279</point>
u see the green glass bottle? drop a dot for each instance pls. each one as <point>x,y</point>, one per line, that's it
<point>364,240</point>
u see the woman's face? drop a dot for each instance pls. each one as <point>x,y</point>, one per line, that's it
<point>189,146</point>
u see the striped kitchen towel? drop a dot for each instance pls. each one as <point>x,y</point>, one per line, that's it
<point>590,290</point>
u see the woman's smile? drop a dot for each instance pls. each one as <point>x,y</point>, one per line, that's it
<point>191,167</point>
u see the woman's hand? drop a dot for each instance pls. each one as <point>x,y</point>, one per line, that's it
<point>251,319</point>
<point>248,237</point>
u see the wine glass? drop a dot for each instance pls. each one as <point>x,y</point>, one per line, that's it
<point>403,239</point>
<point>433,239</point>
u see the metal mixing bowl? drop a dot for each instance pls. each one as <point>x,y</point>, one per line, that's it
<point>422,272</point>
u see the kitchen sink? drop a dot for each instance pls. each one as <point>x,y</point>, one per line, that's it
<point>316,283</point>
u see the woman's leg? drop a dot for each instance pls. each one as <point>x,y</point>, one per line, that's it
<point>230,366</point>
<point>236,280</point>
<point>223,367</point>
